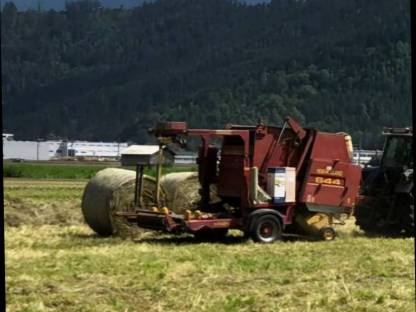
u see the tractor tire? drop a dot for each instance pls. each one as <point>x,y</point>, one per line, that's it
<point>366,214</point>
<point>364,219</point>
<point>410,222</point>
<point>266,229</point>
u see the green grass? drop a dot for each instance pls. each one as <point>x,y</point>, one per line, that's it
<point>50,171</point>
<point>66,267</point>
<point>46,194</point>
<point>69,171</point>
<point>46,191</point>
<point>169,169</point>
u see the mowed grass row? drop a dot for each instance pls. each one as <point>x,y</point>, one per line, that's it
<point>64,266</point>
<point>39,202</point>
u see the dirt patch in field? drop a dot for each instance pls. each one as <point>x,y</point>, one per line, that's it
<point>19,212</point>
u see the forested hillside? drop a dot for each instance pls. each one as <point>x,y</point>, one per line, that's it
<point>58,5</point>
<point>109,74</point>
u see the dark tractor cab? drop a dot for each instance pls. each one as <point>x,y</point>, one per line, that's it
<point>387,203</point>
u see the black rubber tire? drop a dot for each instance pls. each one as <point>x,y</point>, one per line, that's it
<point>363,218</point>
<point>328,233</point>
<point>410,224</point>
<point>411,230</point>
<point>266,229</point>
<point>366,216</point>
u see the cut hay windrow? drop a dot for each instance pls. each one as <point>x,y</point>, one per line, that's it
<point>21,211</point>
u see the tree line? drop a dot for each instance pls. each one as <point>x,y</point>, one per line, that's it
<point>96,73</point>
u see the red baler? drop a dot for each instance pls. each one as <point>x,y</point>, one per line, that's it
<point>280,181</point>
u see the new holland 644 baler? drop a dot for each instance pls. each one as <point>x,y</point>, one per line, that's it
<point>277,181</point>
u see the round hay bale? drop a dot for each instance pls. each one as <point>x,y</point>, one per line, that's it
<point>112,190</point>
<point>182,191</point>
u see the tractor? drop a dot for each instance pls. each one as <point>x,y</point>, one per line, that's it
<point>386,204</point>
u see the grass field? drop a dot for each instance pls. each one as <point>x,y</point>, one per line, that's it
<point>35,170</point>
<point>44,170</point>
<point>56,263</point>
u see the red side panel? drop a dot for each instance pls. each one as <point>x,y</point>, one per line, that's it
<point>231,176</point>
<point>231,168</point>
<point>267,153</point>
<point>207,166</point>
<point>331,180</point>
<point>331,183</point>
<point>330,146</point>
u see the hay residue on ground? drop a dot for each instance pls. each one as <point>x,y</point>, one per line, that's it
<point>18,211</point>
<point>40,202</point>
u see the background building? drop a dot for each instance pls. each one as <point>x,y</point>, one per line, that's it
<point>26,150</point>
<point>46,150</point>
<point>8,137</point>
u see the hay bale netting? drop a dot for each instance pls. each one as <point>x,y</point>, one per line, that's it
<point>112,190</point>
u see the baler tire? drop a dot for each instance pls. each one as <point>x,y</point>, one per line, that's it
<point>266,229</point>
<point>328,233</point>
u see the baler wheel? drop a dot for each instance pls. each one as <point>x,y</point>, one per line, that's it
<point>328,233</point>
<point>266,229</point>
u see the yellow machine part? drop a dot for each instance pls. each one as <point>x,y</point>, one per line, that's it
<point>312,223</point>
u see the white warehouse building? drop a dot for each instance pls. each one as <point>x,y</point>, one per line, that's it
<point>27,150</point>
<point>93,149</point>
<point>46,150</point>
